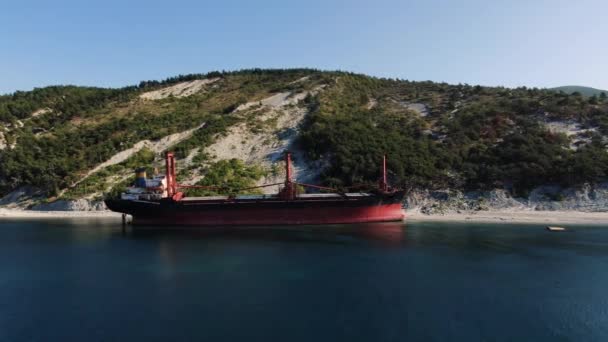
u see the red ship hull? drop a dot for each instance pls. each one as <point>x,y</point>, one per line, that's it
<point>354,208</point>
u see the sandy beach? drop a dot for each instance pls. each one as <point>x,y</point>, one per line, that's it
<point>17,213</point>
<point>516,216</point>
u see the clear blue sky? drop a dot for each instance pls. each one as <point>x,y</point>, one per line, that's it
<point>115,43</point>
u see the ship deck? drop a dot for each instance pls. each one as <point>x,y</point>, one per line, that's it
<point>274,197</point>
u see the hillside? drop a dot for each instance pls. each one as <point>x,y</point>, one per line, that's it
<point>230,128</point>
<point>586,91</point>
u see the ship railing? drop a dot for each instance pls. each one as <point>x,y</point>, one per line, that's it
<point>340,191</point>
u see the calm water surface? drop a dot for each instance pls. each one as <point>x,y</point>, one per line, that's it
<point>84,280</point>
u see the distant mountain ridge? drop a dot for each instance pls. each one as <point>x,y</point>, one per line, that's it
<point>587,91</point>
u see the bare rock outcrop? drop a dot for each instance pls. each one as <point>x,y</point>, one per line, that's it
<point>71,205</point>
<point>21,197</point>
<point>588,198</point>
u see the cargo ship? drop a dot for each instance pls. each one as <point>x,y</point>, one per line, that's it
<point>159,201</point>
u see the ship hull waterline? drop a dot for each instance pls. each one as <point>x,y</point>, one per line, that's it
<point>268,212</point>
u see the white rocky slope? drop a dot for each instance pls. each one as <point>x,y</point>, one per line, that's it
<point>72,205</point>
<point>546,198</point>
<point>2,141</point>
<point>271,128</point>
<point>181,89</point>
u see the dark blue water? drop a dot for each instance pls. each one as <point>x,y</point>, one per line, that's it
<point>84,280</point>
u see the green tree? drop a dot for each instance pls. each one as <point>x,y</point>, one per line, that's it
<point>593,100</point>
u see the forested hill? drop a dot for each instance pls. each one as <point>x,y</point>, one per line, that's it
<point>587,91</point>
<point>74,142</point>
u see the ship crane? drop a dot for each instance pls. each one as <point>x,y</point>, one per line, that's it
<point>288,193</point>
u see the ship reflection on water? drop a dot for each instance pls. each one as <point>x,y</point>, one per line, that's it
<point>389,233</point>
<point>228,249</point>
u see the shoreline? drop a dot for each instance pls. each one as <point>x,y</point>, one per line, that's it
<point>19,213</point>
<point>514,216</point>
<point>490,216</point>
